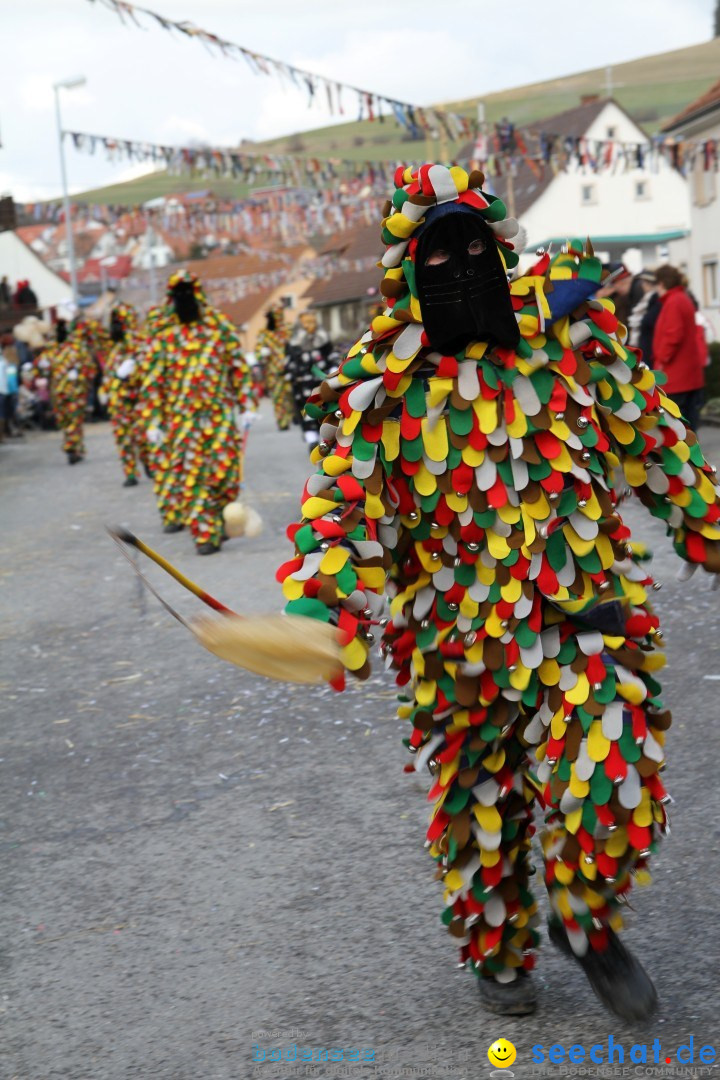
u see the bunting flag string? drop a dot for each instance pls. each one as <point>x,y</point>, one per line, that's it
<point>500,147</point>
<point>319,88</point>
<point>237,164</point>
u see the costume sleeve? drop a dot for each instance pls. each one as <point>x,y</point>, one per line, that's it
<point>153,386</point>
<point>240,375</point>
<point>660,457</point>
<point>669,336</point>
<point>343,542</point>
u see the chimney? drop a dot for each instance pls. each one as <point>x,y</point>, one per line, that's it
<point>589,99</point>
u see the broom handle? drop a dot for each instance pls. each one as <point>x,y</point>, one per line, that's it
<point>126,537</point>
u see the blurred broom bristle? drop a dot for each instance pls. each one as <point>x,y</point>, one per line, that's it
<point>289,648</point>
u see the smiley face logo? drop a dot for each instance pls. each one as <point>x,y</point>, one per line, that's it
<point>502,1054</point>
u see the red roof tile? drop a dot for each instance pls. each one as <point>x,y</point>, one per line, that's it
<point>707,101</point>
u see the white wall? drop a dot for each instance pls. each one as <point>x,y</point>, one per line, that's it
<point>20,263</point>
<point>704,188</point>
<point>615,206</point>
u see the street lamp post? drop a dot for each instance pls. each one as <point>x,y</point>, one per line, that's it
<point>67,84</point>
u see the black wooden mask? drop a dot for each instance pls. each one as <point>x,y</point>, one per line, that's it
<point>185,302</point>
<point>461,283</point>
<point>117,328</point>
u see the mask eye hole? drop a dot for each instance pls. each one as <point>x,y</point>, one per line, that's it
<point>437,257</point>
<point>476,247</point>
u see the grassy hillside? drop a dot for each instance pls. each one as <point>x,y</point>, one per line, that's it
<point>652,89</point>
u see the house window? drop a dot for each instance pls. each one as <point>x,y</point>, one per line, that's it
<point>642,189</point>
<point>287,301</point>
<point>610,132</point>
<point>588,195</point>
<point>710,282</point>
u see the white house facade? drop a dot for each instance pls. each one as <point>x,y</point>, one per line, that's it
<point>638,215</point>
<point>700,122</point>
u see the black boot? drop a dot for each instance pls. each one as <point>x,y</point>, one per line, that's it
<point>208,548</point>
<point>516,998</point>
<point>172,528</point>
<point>618,979</point>
<point>73,458</point>
<point>131,481</point>
<point>148,471</point>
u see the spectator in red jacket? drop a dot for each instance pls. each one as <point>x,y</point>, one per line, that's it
<point>676,347</point>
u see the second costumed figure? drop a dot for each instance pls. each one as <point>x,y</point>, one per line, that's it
<point>196,389</point>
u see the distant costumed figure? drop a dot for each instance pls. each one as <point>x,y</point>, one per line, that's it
<point>271,348</point>
<point>73,365</point>
<point>470,442</point>
<point>123,377</point>
<point>196,389</point>
<point>308,351</point>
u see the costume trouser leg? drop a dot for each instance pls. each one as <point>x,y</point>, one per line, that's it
<point>604,804</point>
<point>480,836</point>
<point>212,480</point>
<point>279,391</point>
<point>71,416</point>
<point>605,800</point>
<point>125,441</point>
<point>167,483</point>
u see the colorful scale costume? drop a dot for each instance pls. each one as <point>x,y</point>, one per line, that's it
<point>73,367</point>
<point>270,346</point>
<point>123,377</point>
<point>196,378</point>
<point>478,491</point>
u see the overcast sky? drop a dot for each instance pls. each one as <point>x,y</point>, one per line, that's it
<point>152,85</point>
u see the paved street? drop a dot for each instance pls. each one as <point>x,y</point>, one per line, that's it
<point>191,856</point>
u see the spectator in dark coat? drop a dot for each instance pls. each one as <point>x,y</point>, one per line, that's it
<point>641,323</point>
<point>676,345</point>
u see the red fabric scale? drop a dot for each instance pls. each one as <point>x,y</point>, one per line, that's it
<point>443,514</point>
<point>568,364</point>
<point>288,568</point>
<point>558,397</point>
<point>520,569</point>
<point>548,445</point>
<point>438,825</point>
<point>595,670</point>
<point>448,368</point>
<point>615,763</point>
<point>497,495</point>
<point>585,840</point>
<point>462,478</point>
<point>639,836</point>
<point>492,875</point>
<point>607,866</point>
<point>547,579</point>
<point>351,488</point>
<point>695,547</point>
<point>410,426</point>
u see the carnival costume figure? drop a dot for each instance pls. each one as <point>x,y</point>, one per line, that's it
<point>271,349</point>
<point>309,350</point>
<point>195,391</point>
<point>467,470</point>
<point>124,372</point>
<point>73,364</point>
